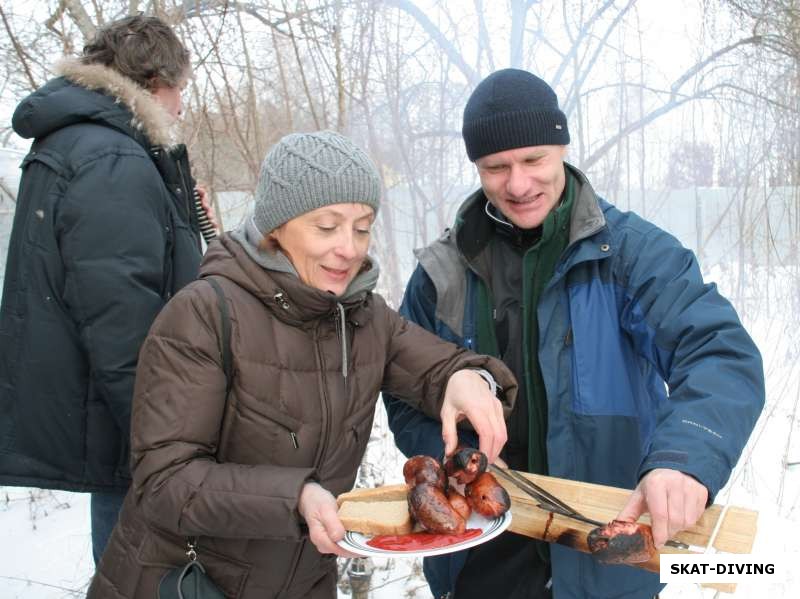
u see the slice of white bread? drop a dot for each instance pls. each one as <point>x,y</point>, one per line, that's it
<point>384,493</point>
<point>376,517</point>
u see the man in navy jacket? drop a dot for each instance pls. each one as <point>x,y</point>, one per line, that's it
<point>633,372</point>
<point>104,233</point>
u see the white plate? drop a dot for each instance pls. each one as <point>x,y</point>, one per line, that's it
<point>490,528</point>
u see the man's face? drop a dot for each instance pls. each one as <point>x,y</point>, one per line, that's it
<point>170,98</point>
<point>524,183</point>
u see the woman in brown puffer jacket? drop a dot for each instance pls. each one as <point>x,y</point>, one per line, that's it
<point>250,475</point>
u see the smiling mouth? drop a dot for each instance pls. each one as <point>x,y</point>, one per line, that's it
<point>526,200</point>
<point>336,272</point>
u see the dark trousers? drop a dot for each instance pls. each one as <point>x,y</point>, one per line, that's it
<point>509,566</point>
<point>105,509</point>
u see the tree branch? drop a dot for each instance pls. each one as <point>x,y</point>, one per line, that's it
<point>452,53</point>
<point>673,103</point>
<point>755,39</point>
<point>81,18</point>
<point>21,54</point>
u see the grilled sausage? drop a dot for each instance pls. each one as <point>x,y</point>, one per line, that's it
<point>429,506</point>
<point>620,542</point>
<point>487,497</point>
<point>459,503</point>
<point>424,469</point>
<point>465,465</point>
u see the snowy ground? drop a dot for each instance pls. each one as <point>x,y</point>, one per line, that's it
<point>45,553</point>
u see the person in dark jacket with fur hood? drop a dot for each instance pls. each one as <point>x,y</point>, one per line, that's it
<point>103,235</point>
<point>245,467</point>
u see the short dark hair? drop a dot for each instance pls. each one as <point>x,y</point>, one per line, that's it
<point>142,48</point>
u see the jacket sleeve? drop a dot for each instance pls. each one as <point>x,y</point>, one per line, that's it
<point>112,234</point>
<point>178,411</point>
<point>413,393</point>
<point>693,337</point>
<point>414,432</point>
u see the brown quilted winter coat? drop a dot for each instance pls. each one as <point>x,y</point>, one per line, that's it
<point>230,472</point>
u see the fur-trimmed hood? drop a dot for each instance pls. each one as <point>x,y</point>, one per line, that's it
<point>93,93</point>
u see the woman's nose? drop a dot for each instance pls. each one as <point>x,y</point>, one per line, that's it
<point>347,247</point>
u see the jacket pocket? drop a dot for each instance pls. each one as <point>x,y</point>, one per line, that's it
<point>359,424</point>
<point>40,192</point>
<point>279,417</point>
<point>164,552</point>
<point>261,432</point>
<point>602,361</point>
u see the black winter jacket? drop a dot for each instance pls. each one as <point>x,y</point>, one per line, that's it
<point>103,235</point>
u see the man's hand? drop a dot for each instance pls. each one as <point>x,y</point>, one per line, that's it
<point>318,508</point>
<point>468,396</point>
<point>673,499</point>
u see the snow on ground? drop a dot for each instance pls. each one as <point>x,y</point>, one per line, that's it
<point>46,547</point>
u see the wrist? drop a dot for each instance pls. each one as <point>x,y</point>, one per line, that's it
<point>487,376</point>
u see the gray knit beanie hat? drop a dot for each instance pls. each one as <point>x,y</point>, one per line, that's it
<point>305,171</point>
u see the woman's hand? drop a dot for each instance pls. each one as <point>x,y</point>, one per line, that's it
<point>468,396</point>
<point>318,508</point>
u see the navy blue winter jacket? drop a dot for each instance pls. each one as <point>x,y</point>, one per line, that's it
<point>103,236</point>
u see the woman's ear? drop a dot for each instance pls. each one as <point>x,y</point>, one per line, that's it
<point>365,266</point>
<point>269,243</point>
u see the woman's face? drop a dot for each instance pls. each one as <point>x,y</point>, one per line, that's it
<point>327,246</point>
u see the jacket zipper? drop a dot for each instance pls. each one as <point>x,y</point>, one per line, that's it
<point>186,192</point>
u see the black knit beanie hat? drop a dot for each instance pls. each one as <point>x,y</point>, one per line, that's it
<point>512,109</point>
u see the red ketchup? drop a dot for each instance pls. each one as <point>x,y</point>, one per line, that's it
<point>419,541</point>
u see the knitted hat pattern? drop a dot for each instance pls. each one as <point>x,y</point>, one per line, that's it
<point>306,171</point>
<point>511,109</point>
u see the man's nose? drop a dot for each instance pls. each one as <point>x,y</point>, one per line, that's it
<point>518,184</point>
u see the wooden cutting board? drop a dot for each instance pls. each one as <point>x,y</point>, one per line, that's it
<point>599,502</point>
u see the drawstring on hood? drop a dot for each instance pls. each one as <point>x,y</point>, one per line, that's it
<point>342,326</point>
<point>489,209</point>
